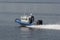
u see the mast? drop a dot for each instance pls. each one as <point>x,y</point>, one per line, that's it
<point>30,11</point>
<point>25,12</point>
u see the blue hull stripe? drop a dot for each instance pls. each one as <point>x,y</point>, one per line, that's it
<point>22,23</point>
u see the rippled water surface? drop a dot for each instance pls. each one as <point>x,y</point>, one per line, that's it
<point>49,13</point>
<point>9,30</point>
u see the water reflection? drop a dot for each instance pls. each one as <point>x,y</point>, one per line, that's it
<point>25,34</point>
<point>16,33</point>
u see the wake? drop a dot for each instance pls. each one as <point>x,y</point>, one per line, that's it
<point>48,26</point>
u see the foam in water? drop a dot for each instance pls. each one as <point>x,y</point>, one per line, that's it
<point>48,26</point>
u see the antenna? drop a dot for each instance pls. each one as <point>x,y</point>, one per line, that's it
<point>30,10</point>
<point>25,12</point>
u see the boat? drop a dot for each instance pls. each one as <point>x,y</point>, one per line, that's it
<point>26,20</point>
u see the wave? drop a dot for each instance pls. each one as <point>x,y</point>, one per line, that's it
<point>48,26</point>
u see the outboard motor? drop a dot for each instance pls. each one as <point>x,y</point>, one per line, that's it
<point>39,22</point>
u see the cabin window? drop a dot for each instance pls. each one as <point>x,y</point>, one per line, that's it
<point>24,18</point>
